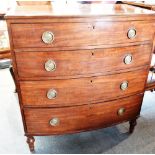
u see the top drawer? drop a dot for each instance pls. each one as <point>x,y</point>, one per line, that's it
<point>80,34</point>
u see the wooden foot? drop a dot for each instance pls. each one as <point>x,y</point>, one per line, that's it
<point>132,123</point>
<point>30,141</point>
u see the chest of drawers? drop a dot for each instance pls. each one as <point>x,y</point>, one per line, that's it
<point>81,67</point>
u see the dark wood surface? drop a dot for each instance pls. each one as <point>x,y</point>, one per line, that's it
<point>81,118</point>
<point>89,48</point>
<point>80,62</point>
<point>30,141</point>
<point>82,91</point>
<point>30,35</point>
<point>147,5</point>
<point>150,86</point>
<point>5,54</point>
<point>150,6</point>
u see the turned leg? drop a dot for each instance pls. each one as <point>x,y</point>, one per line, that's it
<point>13,76</point>
<point>132,123</point>
<point>30,141</point>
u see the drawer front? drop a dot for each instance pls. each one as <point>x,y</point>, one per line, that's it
<point>82,91</point>
<point>124,32</point>
<point>81,118</point>
<point>82,62</point>
<point>64,34</point>
<point>80,34</point>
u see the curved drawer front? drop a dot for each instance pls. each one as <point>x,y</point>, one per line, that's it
<point>81,118</point>
<point>81,62</point>
<point>82,91</point>
<point>80,34</point>
<point>70,34</point>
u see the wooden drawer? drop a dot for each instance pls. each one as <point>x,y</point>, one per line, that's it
<point>81,118</point>
<point>79,34</point>
<point>115,33</point>
<point>81,62</point>
<point>81,91</point>
<point>30,35</point>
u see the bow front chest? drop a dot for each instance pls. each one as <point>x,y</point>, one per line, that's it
<point>79,66</point>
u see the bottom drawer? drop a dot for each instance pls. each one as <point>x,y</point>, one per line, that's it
<point>81,118</point>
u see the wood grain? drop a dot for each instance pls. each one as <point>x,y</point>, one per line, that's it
<point>89,49</point>
<point>6,54</point>
<point>80,62</point>
<point>75,119</point>
<point>30,35</point>
<point>73,92</point>
<point>140,4</point>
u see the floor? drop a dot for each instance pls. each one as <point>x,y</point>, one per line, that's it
<point>110,140</point>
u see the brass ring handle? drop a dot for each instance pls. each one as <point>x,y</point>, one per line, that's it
<point>48,37</point>
<point>121,111</point>
<point>131,33</point>
<point>54,121</point>
<point>51,94</point>
<point>124,85</point>
<point>50,65</point>
<point>128,59</point>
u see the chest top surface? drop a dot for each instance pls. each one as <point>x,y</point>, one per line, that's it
<point>76,9</point>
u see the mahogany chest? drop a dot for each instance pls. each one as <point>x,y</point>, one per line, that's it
<point>79,67</point>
